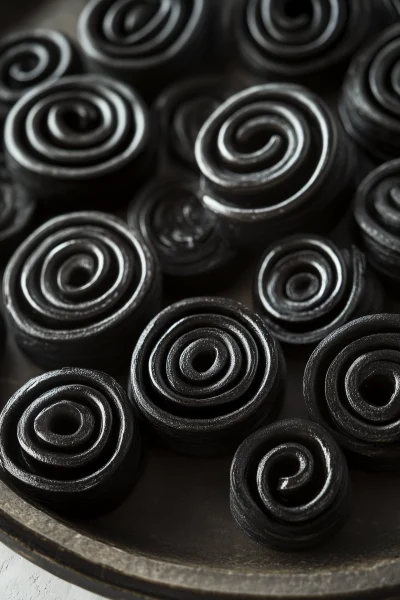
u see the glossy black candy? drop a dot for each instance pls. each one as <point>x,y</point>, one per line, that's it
<point>377,214</point>
<point>70,440</point>
<point>17,212</point>
<point>305,287</point>
<point>351,386</point>
<point>274,161</point>
<point>297,38</point>
<point>370,100</point>
<point>29,58</point>
<point>143,42</point>
<point>290,486</point>
<point>184,235</point>
<point>182,108</point>
<point>79,290</point>
<point>205,373</point>
<point>82,141</point>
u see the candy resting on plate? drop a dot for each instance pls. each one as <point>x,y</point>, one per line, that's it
<point>70,440</point>
<point>290,486</point>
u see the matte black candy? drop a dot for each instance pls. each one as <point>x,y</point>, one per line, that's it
<point>70,440</point>
<point>274,161</point>
<point>205,373</point>
<point>29,58</point>
<point>182,109</point>
<point>351,386</point>
<point>79,290</point>
<point>143,42</point>
<point>184,235</point>
<point>17,212</point>
<point>82,141</point>
<point>370,100</point>
<point>377,214</point>
<point>305,287</point>
<point>298,38</point>
<point>290,486</point>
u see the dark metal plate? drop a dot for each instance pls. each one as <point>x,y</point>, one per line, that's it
<point>174,537</point>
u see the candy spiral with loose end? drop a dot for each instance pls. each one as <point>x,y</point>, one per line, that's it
<point>29,58</point>
<point>17,211</point>
<point>297,38</point>
<point>290,486</point>
<point>75,142</point>
<point>144,42</point>
<point>172,220</point>
<point>351,386</point>
<point>305,287</point>
<point>205,373</point>
<point>273,161</point>
<point>182,110</point>
<point>70,440</point>
<point>377,214</point>
<point>370,101</point>
<point>79,290</point>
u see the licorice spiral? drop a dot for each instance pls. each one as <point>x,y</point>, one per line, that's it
<point>290,486</point>
<point>70,440</point>
<point>145,42</point>
<point>298,38</point>
<point>370,100</point>
<point>17,212</point>
<point>182,109</point>
<point>274,161</point>
<point>377,215</point>
<point>205,373</point>
<point>79,290</point>
<point>351,386</point>
<point>305,287</point>
<point>81,142</point>
<point>171,218</point>
<point>29,58</point>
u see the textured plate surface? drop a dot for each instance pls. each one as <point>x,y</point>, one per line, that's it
<point>174,537</point>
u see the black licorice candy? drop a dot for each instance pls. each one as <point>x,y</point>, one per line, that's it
<point>145,43</point>
<point>182,109</point>
<point>377,215</point>
<point>205,373</point>
<point>79,291</point>
<point>305,287</point>
<point>70,439</point>
<point>169,215</point>
<point>370,99</point>
<point>351,385</point>
<point>290,487</point>
<point>17,212</point>
<point>82,142</point>
<point>294,39</point>
<point>274,161</point>
<point>32,57</point>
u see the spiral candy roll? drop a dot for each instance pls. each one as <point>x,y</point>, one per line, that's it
<point>205,373</point>
<point>351,385</point>
<point>82,141</point>
<point>294,38</point>
<point>70,440</point>
<point>144,42</point>
<point>377,214</point>
<point>182,109</point>
<point>29,58</point>
<point>184,235</point>
<point>305,288</point>
<point>370,101</point>
<point>273,161</point>
<point>17,212</point>
<point>290,486</point>
<point>79,290</point>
